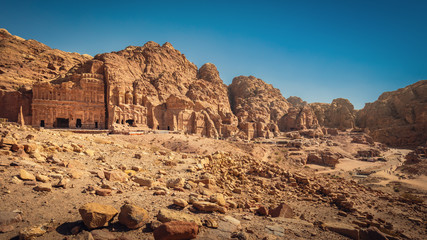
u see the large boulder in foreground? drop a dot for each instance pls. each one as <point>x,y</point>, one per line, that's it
<point>176,230</point>
<point>133,216</point>
<point>97,215</point>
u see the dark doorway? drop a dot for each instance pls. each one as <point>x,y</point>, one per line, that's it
<point>62,123</point>
<point>169,128</point>
<point>78,123</point>
<point>130,122</point>
<point>96,124</point>
<point>158,127</point>
<point>42,123</point>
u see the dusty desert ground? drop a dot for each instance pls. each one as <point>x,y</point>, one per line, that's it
<point>246,184</point>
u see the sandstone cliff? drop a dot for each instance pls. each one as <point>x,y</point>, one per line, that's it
<point>257,105</point>
<point>398,118</point>
<point>22,62</point>
<point>157,87</point>
<point>298,118</point>
<point>339,114</point>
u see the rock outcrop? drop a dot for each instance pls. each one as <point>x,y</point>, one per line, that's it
<point>257,105</point>
<point>151,86</point>
<point>296,101</point>
<point>339,114</point>
<point>298,118</point>
<point>157,87</point>
<point>398,118</point>
<point>24,62</point>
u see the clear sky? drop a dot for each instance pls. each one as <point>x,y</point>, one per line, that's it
<point>317,50</point>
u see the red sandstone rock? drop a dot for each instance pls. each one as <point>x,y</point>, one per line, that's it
<point>398,118</point>
<point>339,114</point>
<point>282,210</point>
<point>257,105</point>
<point>133,216</point>
<point>176,230</point>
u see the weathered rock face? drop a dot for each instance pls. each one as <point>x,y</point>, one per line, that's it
<point>22,62</point>
<point>257,105</point>
<point>158,87</point>
<point>398,118</point>
<point>296,101</point>
<point>339,114</point>
<point>148,87</point>
<point>298,118</point>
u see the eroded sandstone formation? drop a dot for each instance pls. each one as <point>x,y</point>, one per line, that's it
<point>298,118</point>
<point>22,63</point>
<point>257,105</point>
<point>151,86</point>
<point>339,114</point>
<point>157,87</point>
<point>398,118</point>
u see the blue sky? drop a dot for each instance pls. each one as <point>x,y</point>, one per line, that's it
<point>317,50</point>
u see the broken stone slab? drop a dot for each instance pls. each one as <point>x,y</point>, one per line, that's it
<point>143,181</point>
<point>166,215</point>
<point>180,202</point>
<point>276,230</point>
<point>206,206</point>
<point>116,175</point>
<point>43,187</point>
<point>176,230</point>
<point>175,183</point>
<point>26,176</point>
<point>343,229</point>
<point>30,233</point>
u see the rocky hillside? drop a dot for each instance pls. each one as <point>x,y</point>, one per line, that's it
<point>160,77</point>
<point>253,100</point>
<point>164,81</point>
<point>22,62</point>
<point>339,114</point>
<point>398,118</point>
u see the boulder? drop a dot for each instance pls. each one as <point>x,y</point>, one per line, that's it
<point>116,175</point>
<point>206,206</point>
<point>43,187</point>
<point>133,216</point>
<point>146,182</point>
<point>166,215</point>
<point>176,230</point>
<point>26,176</point>
<point>175,183</point>
<point>282,210</point>
<point>180,202</point>
<point>96,215</point>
